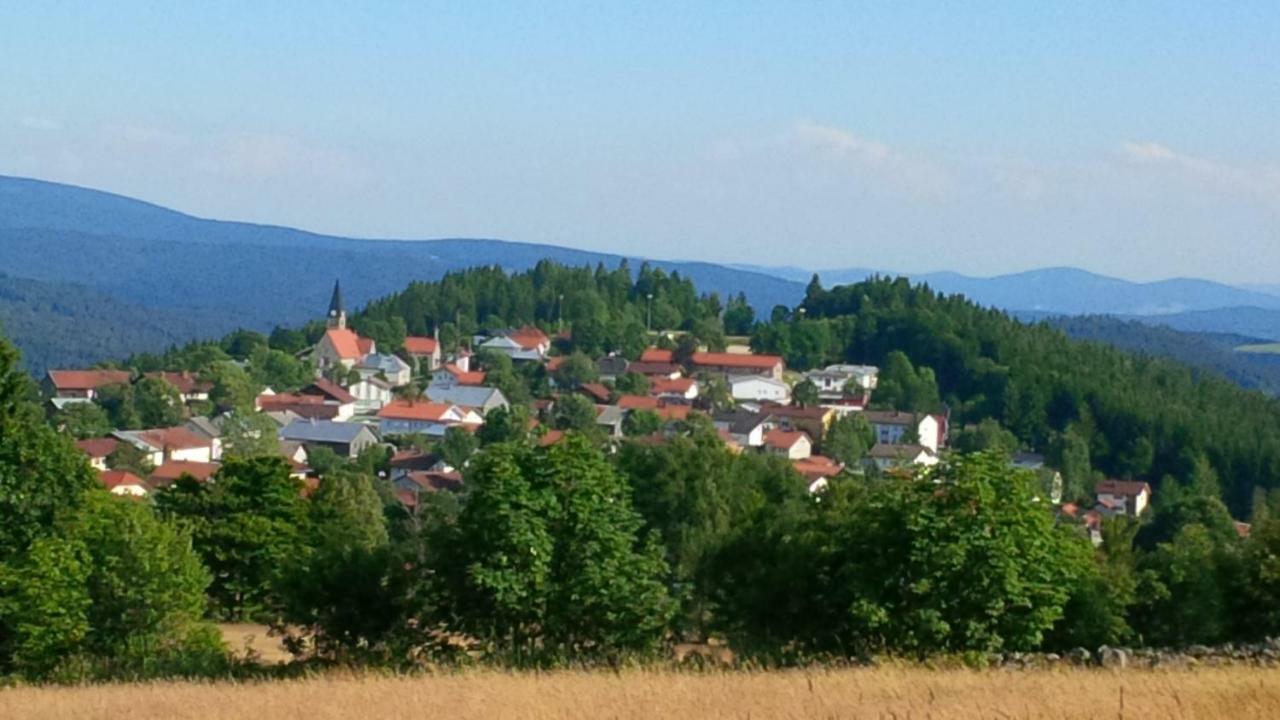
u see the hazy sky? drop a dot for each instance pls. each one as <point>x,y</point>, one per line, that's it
<point>1140,139</point>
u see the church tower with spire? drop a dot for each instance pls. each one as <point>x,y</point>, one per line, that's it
<point>337,311</point>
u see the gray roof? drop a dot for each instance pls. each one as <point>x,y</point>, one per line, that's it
<point>610,415</point>
<point>322,431</point>
<point>612,365</point>
<point>466,395</point>
<point>384,362</point>
<point>739,422</point>
<point>208,427</point>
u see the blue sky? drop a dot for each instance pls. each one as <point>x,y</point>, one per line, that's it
<point>1140,139</point>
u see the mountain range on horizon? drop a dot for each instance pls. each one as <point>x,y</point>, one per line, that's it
<point>193,277</point>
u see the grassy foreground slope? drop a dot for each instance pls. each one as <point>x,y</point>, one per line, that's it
<point>1238,693</point>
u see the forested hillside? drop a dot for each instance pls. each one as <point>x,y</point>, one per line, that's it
<point>68,325</point>
<point>1212,351</point>
<point>1088,406</point>
<point>1082,403</point>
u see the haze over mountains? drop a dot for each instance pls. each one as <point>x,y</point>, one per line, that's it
<point>139,265</point>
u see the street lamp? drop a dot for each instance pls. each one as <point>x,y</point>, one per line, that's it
<point>560,311</point>
<point>648,313</point>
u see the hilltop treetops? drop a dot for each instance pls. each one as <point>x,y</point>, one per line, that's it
<point>571,553</point>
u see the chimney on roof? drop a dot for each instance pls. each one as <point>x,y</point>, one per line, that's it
<point>337,310</point>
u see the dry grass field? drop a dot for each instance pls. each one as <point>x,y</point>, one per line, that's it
<point>1238,694</point>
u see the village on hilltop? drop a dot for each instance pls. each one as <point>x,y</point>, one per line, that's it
<point>415,398</point>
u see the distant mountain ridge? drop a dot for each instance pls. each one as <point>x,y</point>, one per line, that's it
<point>194,277</point>
<point>1180,303</point>
<point>1063,290</point>
<point>258,276</point>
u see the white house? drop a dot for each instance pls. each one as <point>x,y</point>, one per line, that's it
<point>834,381</point>
<point>371,393</point>
<point>407,417</point>
<point>791,444</point>
<point>1124,497</point>
<point>758,388</point>
<point>677,389</point>
<point>424,351</point>
<point>450,375</point>
<point>746,428</point>
<point>121,482</point>
<point>891,426</point>
<point>82,384</point>
<point>164,444</point>
<point>395,370</point>
<point>526,343</point>
<point>886,456</point>
<point>333,395</point>
<point>482,399</point>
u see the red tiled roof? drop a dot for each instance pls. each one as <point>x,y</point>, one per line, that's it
<point>1124,488</point>
<point>365,345</point>
<point>554,363</point>
<point>818,466</point>
<point>637,402</point>
<point>347,343</point>
<point>86,379</point>
<point>464,377</point>
<point>431,481</point>
<point>307,406</point>
<point>530,337</point>
<point>418,345</point>
<point>97,447</point>
<point>328,389</point>
<point>596,391</point>
<point>674,412</point>
<point>169,472</point>
<point>739,360</point>
<point>113,479</point>
<point>658,355</point>
<point>410,410</point>
<point>174,438</point>
<point>186,383</point>
<point>783,439</point>
<point>413,459</point>
<point>408,498</point>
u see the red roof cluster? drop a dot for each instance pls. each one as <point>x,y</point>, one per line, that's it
<point>530,338</point>
<point>169,472</point>
<point>112,479</point>
<point>174,438</point>
<point>658,355</point>
<point>736,360</point>
<point>328,390</point>
<point>400,409</point>
<point>418,345</point>
<point>348,344</point>
<point>97,447</point>
<point>87,379</point>
<point>464,377</point>
<point>307,406</point>
<point>784,439</point>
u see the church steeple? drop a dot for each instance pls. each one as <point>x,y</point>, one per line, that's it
<point>337,311</point>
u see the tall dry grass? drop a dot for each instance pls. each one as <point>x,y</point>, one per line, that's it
<point>1211,694</point>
